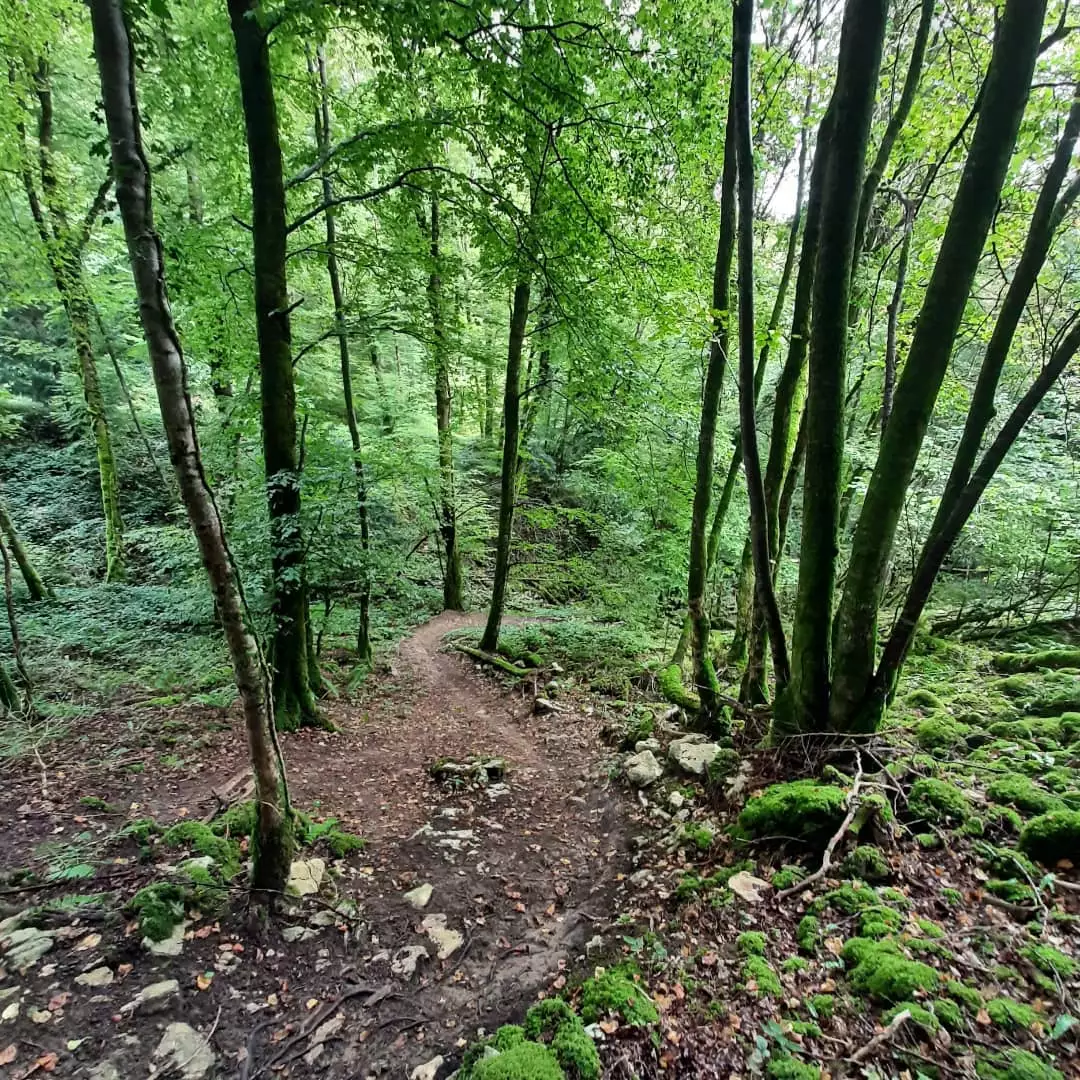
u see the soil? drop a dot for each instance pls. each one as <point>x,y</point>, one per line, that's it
<point>527,875</point>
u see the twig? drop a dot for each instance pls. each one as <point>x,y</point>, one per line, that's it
<point>881,1037</point>
<point>826,860</point>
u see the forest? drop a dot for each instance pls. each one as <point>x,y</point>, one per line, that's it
<point>540,540</point>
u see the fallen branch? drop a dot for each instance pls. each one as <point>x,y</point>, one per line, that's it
<point>826,860</point>
<point>495,661</point>
<point>882,1037</point>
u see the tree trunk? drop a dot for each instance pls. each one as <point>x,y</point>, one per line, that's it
<point>322,138</point>
<point>939,544</point>
<point>453,591</point>
<point>294,696</point>
<point>508,481</point>
<point>489,396</point>
<point>764,593</point>
<point>380,385</point>
<point>37,588</point>
<point>805,703</point>
<point>888,387</point>
<point>1005,96</point>
<point>272,842</point>
<point>705,680</point>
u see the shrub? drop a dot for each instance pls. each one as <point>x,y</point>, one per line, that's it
<point>1052,836</point>
<point>802,808</point>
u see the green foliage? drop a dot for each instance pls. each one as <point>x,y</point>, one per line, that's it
<point>823,1006</point>
<point>1052,837</point>
<point>615,993</point>
<point>700,836</point>
<point>802,808</point>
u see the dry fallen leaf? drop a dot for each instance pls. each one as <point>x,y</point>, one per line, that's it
<point>983,1017</point>
<point>7,1055</point>
<point>91,941</point>
<point>609,1027</point>
<point>47,1062</point>
<point>204,980</point>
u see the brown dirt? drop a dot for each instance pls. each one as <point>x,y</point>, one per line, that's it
<point>526,877</point>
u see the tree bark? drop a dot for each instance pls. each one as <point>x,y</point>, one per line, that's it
<point>508,480</point>
<point>805,703</point>
<point>37,588</point>
<point>380,385</point>
<point>322,138</point>
<point>705,680</point>
<point>294,695</point>
<point>453,589</point>
<point>1005,96</point>
<point>272,842</point>
<point>759,543</point>
<point>939,544</point>
<point>888,386</point>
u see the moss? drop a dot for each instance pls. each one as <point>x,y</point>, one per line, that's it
<point>937,801</point>
<point>1052,836</point>
<point>141,829</point>
<point>952,897</point>
<point>920,1016</point>
<point>1009,1014</point>
<point>883,972</point>
<point>924,699</point>
<point>849,899</point>
<point>615,992</point>
<point>92,802</point>
<point>967,996</point>
<point>940,732</point>
<point>948,1012</point>
<point>238,820</point>
<point>808,933</point>
<point>1050,961</point>
<point>575,1052</point>
<point>723,766</point>
<point>879,922</point>
<point>1004,819</point>
<point>336,841</point>
<point>803,1027</point>
<point>867,862</point>
<point>802,808</point>
<point>202,840</point>
<point>793,964</point>
<point>1016,1065</point>
<point>699,835</point>
<point>751,943</point>
<point>159,908</point>
<point>928,841</point>
<point>1011,890</point>
<point>637,729</point>
<point>546,1017</point>
<point>787,876</point>
<point>789,1068</point>
<point>669,681</point>
<point>1010,663</point>
<point>822,1006</point>
<point>765,980</point>
<point>1014,789</point>
<point>526,1061</point>
<point>1069,728</point>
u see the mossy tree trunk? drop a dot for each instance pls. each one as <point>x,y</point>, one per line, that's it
<point>64,244</point>
<point>765,595</point>
<point>294,687</point>
<point>322,140</point>
<point>508,477</point>
<point>272,842</point>
<point>805,702</point>
<point>705,680</point>
<point>1005,94</point>
<point>37,588</point>
<point>453,586</point>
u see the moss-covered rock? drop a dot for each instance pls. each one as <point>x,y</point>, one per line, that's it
<point>802,808</point>
<point>967,996</point>
<point>760,977</point>
<point>1021,792</point>
<point>938,801</point>
<point>1010,1015</point>
<point>880,970</point>
<point>940,732</point>
<point>1050,961</point>
<point>1052,837</point>
<point>615,993</point>
<point>201,839</point>
<point>867,862</point>
<point>924,699</point>
<point>808,933</point>
<point>1011,663</point>
<point>920,1015</point>
<point>159,908</point>
<point>1016,1064</point>
<point>526,1061</point>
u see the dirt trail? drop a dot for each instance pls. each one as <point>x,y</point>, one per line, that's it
<point>523,874</point>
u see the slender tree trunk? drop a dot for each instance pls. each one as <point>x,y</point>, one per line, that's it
<point>939,544</point>
<point>380,385</point>
<point>759,541</point>
<point>519,316</point>
<point>806,701</point>
<point>787,494</point>
<point>453,588</point>
<point>294,695</point>
<point>489,396</point>
<point>272,842</point>
<point>888,387</point>
<point>1008,81</point>
<point>322,139</point>
<point>9,692</point>
<point>37,588</point>
<point>16,642</point>
<point>701,626</point>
